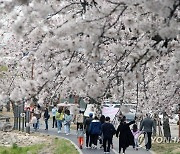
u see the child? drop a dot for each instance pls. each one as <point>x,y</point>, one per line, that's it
<point>80,136</point>
<point>34,121</point>
<point>136,134</point>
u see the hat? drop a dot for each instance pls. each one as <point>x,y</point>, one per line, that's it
<point>90,114</point>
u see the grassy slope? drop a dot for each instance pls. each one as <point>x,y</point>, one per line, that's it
<point>58,146</point>
<point>21,150</point>
<point>168,148</point>
<point>64,147</point>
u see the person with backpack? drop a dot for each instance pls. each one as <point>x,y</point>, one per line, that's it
<point>94,131</point>
<point>86,128</point>
<point>108,131</point>
<point>67,122</point>
<point>59,119</point>
<point>79,119</point>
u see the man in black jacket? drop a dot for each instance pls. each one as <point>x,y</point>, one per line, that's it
<point>86,127</point>
<point>108,131</point>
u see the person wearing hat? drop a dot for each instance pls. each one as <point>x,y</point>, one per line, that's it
<point>86,128</point>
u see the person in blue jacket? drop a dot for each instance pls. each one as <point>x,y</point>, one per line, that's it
<point>94,131</point>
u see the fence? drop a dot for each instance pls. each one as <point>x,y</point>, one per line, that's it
<point>21,118</point>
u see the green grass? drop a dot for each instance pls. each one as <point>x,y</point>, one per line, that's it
<point>64,147</point>
<point>166,148</point>
<point>21,150</point>
<point>57,146</point>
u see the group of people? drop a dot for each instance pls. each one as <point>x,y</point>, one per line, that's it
<point>102,130</point>
<point>60,116</point>
<point>97,129</point>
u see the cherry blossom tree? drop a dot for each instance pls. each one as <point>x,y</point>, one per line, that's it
<point>93,48</point>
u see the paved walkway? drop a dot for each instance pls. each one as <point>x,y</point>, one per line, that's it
<point>73,138</point>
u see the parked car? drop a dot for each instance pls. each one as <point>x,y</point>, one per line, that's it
<point>129,116</point>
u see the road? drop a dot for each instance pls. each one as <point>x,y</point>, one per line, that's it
<point>73,138</point>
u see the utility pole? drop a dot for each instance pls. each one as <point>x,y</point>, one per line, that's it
<point>32,71</point>
<point>137,96</point>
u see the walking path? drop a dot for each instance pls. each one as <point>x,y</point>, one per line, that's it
<point>73,138</point>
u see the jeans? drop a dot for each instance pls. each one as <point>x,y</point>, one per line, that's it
<point>67,128</point>
<point>34,125</point>
<point>46,123</point>
<point>135,142</point>
<point>59,124</point>
<point>37,124</point>
<point>54,122</point>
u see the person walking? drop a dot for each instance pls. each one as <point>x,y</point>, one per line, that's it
<point>59,119</point>
<point>79,119</point>
<point>46,117</point>
<point>80,136</point>
<point>37,112</point>
<point>166,127</point>
<point>125,135</point>
<point>136,134</point>
<point>155,120</point>
<point>102,120</point>
<point>108,131</point>
<point>34,121</point>
<point>147,125</point>
<point>94,131</point>
<point>54,111</point>
<point>86,128</point>
<point>67,122</point>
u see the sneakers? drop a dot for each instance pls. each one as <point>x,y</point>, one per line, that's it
<point>59,131</point>
<point>94,147</point>
<point>101,147</point>
<point>67,133</point>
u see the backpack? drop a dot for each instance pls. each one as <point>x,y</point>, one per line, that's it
<point>59,116</point>
<point>48,116</point>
